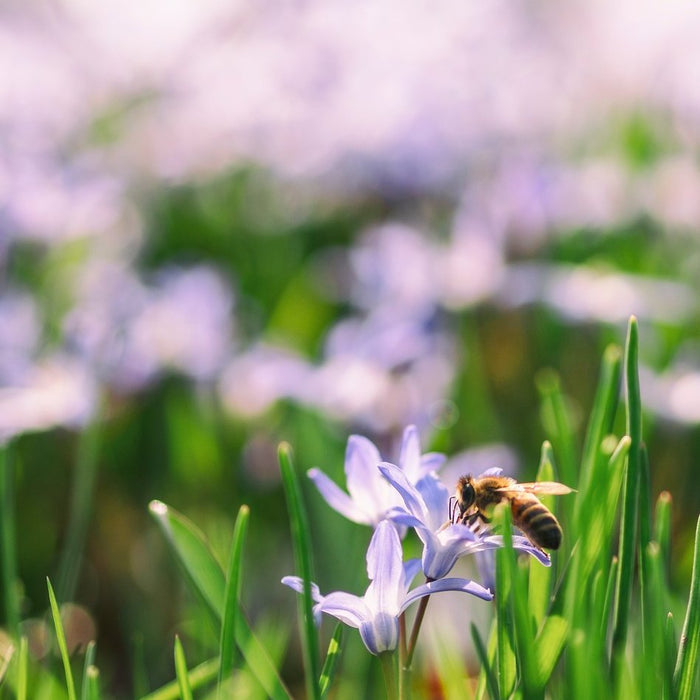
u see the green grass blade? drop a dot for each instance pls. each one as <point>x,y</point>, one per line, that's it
<point>197,677</point>
<point>508,626</point>
<point>22,664</point>
<point>540,577</point>
<point>645,524</point>
<point>301,544</point>
<point>8,541</point>
<point>662,528</point>
<point>208,582</point>
<point>558,423</point>
<point>87,664</point>
<point>487,669</point>
<point>205,576</point>
<point>601,502</point>
<point>92,680</point>
<point>609,599</point>
<point>183,678</point>
<point>331,663</point>
<point>61,638</point>
<point>84,482</point>
<point>685,673</point>
<point>670,651</point>
<point>602,415</point>
<point>630,503</point>
<point>549,645</point>
<point>653,613</point>
<point>227,644</point>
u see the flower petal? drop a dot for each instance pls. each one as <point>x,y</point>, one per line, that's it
<point>385,569</point>
<point>494,471</point>
<point>347,608</point>
<point>409,459</point>
<point>410,569</point>
<point>431,462</point>
<point>447,584</point>
<point>297,584</point>
<point>409,494</point>
<point>436,498</point>
<point>522,544</point>
<point>337,498</point>
<point>381,633</point>
<point>365,484</point>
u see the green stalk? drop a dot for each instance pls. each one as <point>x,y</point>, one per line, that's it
<point>181,671</point>
<point>87,665</point>
<point>61,638</point>
<point>504,611</point>
<point>301,544</point>
<point>685,673</point>
<point>22,664</point>
<point>388,659</point>
<point>628,524</point>
<point>487,668</point>
<point>662,528</point>
<point>601,420</point>
<point>9,541</point>
<point>198,676</point>
<point>228,652</point>
<point>331,662</point>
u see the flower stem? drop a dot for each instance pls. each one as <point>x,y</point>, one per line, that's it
<point>388,667</point>
<point>416,627</point>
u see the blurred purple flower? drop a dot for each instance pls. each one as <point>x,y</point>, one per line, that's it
<point>370,495</point>
<point>58,391</point>
<point>376,613</point>
<point>426,509</point>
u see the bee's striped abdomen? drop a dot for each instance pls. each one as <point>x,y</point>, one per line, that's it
<point>536,521</point>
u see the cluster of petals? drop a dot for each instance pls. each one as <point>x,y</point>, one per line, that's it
<point>392,498</point>
<point>370,496</point>
<point>376,613</point>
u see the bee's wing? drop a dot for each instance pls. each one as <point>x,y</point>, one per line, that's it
<point>538,487</point>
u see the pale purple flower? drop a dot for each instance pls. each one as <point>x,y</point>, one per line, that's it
<point>426,510</point>
<point>369,495</point>
<point>376,613</point>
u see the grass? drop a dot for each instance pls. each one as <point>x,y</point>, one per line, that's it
<point>601,621</point>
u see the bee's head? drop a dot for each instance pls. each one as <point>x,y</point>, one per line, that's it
<point>466,494</point>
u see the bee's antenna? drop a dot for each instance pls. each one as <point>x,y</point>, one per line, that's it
<point>452,508</point>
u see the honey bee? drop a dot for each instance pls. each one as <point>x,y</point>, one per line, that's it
<point>475,497</point>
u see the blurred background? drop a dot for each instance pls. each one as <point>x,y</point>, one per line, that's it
<point>224,224</point>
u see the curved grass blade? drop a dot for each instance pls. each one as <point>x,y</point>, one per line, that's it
<point>548,647</point>
<point>183,679</point>
<point>207,580</point>
<point>686,669</point>
<point>194,555</point>
<point>601,420</point>
<point>198,676</point>
<point>491,680</point>
<point>89,663</point>
<point>301,542</point>
<point>227,644</point>
<point>61,638</point>
<point>630,502</point>
<point>331,663</point>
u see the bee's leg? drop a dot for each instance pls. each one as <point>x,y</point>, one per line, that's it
<point>452,509</point>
